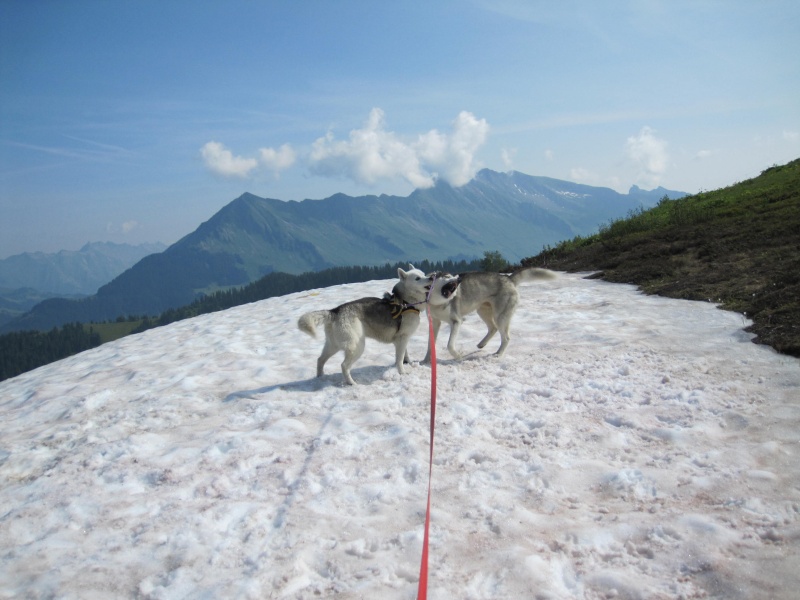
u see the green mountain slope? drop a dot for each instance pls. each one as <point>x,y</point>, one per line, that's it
<point>738,247</point>
<point>512,213</point>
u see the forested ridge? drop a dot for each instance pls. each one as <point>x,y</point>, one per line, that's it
<point>26,350</point>
<point>280,284</point>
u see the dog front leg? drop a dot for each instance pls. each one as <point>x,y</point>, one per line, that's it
<point>455,325</point>
<point>401,354</point>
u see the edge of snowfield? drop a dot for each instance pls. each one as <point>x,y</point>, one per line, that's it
<point>626,446</point>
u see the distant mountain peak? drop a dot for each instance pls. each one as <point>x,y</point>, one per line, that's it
<point>512,213</point>
<point>70,272</point>
<point>651,197</point>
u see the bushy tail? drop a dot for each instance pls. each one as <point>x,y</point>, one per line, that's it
<point>309,322</point>
<point>531,274</point>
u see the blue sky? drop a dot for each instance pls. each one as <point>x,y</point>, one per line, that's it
<point>136,121</point>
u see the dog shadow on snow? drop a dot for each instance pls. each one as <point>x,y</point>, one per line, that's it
<point>364,376</point>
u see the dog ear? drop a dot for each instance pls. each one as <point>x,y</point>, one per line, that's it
<point>401,274</point>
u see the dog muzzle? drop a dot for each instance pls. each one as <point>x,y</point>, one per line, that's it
<point>450,288</point>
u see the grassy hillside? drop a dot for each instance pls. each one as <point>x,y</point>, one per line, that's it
<point>109,332</point>
<point>738,247</point>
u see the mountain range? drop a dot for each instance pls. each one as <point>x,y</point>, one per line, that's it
<point>28,278</point>
<point>513,213</point>
<point>67,272</point>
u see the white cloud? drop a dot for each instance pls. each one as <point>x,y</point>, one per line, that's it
<point>370,154</point>
<point>124,228</point>
<point>454,155</point>
<point>588,177</point>
<point>278,160</point>
<point>703,154</point>
<point>650,155</point>
<point>579,174</point>
<point>373,153</point>
<point>791,136</point>
<point>507,156</point>
<point>221,161</point>
<point>129,226</point>
<point>548,154</point>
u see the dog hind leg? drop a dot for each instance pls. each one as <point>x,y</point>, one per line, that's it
<point>486,313</point>
<point>504,326</point>
<point>352,353</point>
<point>327,351</point>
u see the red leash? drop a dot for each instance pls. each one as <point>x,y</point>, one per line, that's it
<point>422,590</point>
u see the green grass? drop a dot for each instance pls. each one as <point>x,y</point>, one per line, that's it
<point>109,332</point>
<point>738,247</point>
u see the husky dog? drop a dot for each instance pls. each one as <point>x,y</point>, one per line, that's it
<point>493,295</point>
<point>392,319</point>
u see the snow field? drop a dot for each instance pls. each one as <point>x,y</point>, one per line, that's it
<point>626,446</point>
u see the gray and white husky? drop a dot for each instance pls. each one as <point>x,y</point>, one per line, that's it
<point>493,295</point>
<point>392,319</point>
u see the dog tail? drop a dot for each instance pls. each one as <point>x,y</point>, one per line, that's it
<point>531,274</point>
<point>309,322</point>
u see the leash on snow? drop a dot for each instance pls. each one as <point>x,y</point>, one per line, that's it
<point>422,590</point>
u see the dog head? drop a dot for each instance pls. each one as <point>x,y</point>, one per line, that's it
<point>443,288</point>
<point>413,285</point>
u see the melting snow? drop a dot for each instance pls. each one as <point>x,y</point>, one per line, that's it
<point>626,446</point>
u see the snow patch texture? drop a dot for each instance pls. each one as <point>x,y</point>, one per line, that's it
<point>626,446</point>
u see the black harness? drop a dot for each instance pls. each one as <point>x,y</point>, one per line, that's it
<point>398,307</point>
